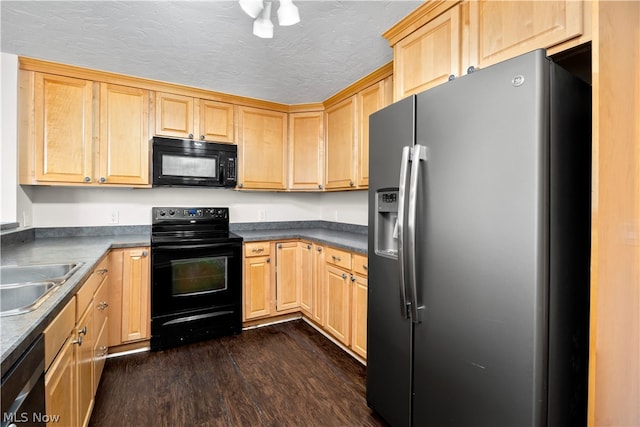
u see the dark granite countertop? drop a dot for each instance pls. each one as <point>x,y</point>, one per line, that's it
<point>17,332</point>
<point>344,236</point>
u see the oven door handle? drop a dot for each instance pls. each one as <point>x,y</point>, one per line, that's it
<point>183,247</point>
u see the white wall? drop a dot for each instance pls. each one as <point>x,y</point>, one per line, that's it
<point>69,207</point>
<point>16,202</point>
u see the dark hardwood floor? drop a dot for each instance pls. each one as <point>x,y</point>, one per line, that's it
<point>280,375</point>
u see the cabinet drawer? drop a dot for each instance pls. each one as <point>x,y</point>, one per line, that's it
<point>85,294</point>
<point>338,257</point>
<point>256,249</point>
<point>360,264</point>
<point>57,332</point>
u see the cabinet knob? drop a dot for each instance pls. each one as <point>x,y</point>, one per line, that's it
<point>319,248</point>
<point>145,253</point>
<point>336,258</point>
<point>344,275</point>
<point>202,137</point>
<point>190,136</point>
<point>103,271</point>
<point>308,246</point>
<point>365,267</point>
<point>240,185</point>
<point>451,77</point>
<point>257,250</point>
<point>87,179</point>
<point>352,184</point>
<point>280,246</point>
<point>353,278</point>
<point>268,260</point>
<point>78,341</point>
<point>103,305</point>
<point>472,69</point>
<point>319,186</point>
<point>103,180</point>
<point>83,331</point>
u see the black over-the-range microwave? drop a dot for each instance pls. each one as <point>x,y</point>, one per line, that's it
<point>189,163</point>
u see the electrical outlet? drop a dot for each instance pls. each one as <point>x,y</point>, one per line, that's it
<point>262,215</point>
<point>114,217</point>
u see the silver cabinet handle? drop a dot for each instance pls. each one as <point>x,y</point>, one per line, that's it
<point>87,179</point>
<point>78,341</point>
<point>102,271</point>
<point>145,253</point>
<point>308,246</point>
<point>353,278</point>
<point>103,350</point>
<point>103,179</point>
<point>190,136</point>
<point>402,189</point>
<point>365,267</point>
<point>83,331</point>
<point>268,260</point>
<point>240,185</point>
<point>344,276</point>
<point>352,184</point>
<point>319,248</point>
<point>336,258</point>
<point>280,246</point>
<point>419,154</point>
<point>102,305</point>
<point>202,137</point>
<point>257,250</point>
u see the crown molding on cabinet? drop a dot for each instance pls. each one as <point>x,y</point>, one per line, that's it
<point>372,78</point>
<point>416,19</point>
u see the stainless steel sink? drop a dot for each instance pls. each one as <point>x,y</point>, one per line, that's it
<point>24,297</point>
<point>24,287</point>
<point>57,273</point>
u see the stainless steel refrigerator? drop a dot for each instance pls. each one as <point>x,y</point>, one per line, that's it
<point>479,246</point>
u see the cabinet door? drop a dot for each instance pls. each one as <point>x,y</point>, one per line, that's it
<point>101,322</point>
<point>84,366</point>
<point>359,316</point>
<point>59,385</point>
<point>306,277</point>
<point>174,115</point>
<point>124,135</point>
<point>319,288</point>
<point>136,286</point>
<point>216,121</point>
<point>370,100</point>
<point>287,277</point>
<point>262,149</point>
<point>338,294</point>
<point>503,29</point>
<point>340,121</point>
<point>257,287</point>
<point>63,129</point>
<point>428,56</point>
<point>306,150</point>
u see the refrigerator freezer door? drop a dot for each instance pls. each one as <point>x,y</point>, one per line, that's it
<point>479,351</point>
<point>388,331</point>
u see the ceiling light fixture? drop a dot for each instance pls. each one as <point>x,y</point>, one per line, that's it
<point>261,12</point>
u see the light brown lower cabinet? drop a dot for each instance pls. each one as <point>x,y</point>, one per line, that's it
<point>130,295</point>
<point>60,384</point>
<point>327,285</point>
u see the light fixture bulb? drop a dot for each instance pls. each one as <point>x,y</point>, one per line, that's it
<point>288,13</point>
<point>251,7</point>
<point>262,26</point>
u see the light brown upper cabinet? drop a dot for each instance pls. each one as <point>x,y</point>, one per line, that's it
<point>75,131</point>
<point>192,118</point>
<point>428,56</point>
<point>503,29</point>
<point>262,149</point>
<point>56,129</point>
<point>124,135</point>
<point>443,38</point>
<point>340,140</point>
<point>306,150</point>
<point>370,100</point>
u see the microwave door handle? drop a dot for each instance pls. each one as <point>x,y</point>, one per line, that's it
<point>221,173</point>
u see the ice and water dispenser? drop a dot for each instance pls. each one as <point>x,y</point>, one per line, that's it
<point>386,224</point>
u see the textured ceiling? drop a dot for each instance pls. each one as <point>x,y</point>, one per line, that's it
<point>209,44</point>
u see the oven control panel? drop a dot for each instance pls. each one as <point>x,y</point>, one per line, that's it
<point>178,213</point>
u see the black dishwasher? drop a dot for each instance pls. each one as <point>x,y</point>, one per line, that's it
<point>23,389</point>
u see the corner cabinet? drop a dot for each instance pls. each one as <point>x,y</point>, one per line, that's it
<point>79,132</point>
<point>340,139</point>
<point>186,117</point>
<point>262,149</point>
<point>306,150</point>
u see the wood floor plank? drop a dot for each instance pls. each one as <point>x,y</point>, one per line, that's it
<point>281,375</point>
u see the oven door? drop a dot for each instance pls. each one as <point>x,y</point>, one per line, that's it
<point>195,276</point>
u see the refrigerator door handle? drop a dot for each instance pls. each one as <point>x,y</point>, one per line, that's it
<point>419,154</point>
<point>402,189</point>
